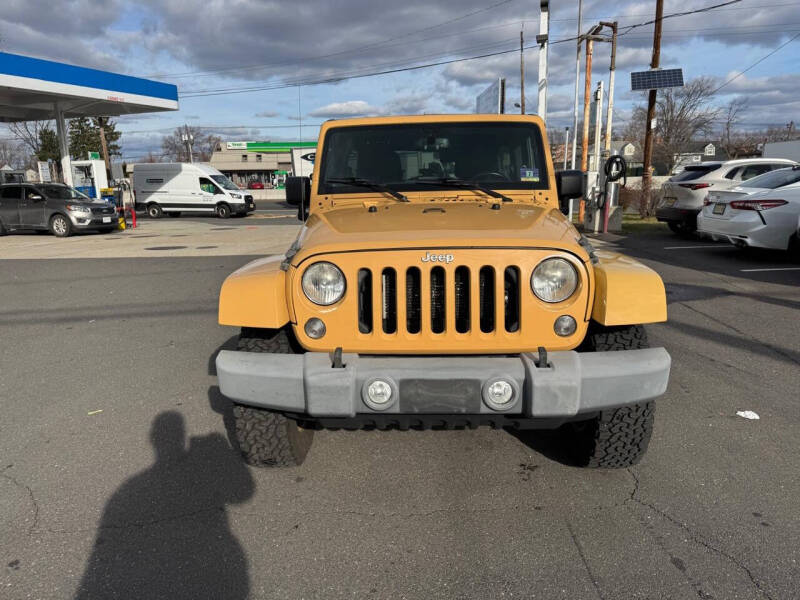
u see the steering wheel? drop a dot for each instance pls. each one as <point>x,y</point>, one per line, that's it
<point>494,174</point>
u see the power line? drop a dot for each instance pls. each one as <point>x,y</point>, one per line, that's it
<point>760,60</point>
<point>357,75</point>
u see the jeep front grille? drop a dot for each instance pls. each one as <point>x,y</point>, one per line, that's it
<point>421,295</point>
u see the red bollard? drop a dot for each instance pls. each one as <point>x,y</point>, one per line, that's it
<point>133,217</point>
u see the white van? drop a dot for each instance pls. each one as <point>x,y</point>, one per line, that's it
<point>176,187</point>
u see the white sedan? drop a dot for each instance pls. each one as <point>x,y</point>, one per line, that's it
<point>763,212</point>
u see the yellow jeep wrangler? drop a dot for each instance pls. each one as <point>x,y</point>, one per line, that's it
<point>435,283</point>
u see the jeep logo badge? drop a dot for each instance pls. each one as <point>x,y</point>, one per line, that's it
<point>445,258</point>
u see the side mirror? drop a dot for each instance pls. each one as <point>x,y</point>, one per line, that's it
<point>298,193</point>
<point>569,185</point>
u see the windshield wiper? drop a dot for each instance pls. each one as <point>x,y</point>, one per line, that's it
<point>463,184</point>
<point>373,185</point>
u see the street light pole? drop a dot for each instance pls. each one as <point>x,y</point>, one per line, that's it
<point>651,113</point>
<point>521,75</point>
<point>577,85</point>
<point>544,45</point>
<point>612,71</point>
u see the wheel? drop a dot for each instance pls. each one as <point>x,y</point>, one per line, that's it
<point>618,437</point>
<point>682,228</point>
<point>793,247</point>
<point>223,211</point>
<point>154,211</point>
<point>267,438</point>
<point>174,214</point>
<point>60,226</point>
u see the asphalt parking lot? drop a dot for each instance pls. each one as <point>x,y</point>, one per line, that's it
<point>118,478</point>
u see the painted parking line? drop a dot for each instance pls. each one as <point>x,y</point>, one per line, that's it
<point>714,246</point>
<point>770,269</point>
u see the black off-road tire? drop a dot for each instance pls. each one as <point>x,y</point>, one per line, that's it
<point>616,438</point>
<point>267,438</point>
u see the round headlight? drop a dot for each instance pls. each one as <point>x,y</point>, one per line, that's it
<point>554,280</point>
<point>323,283</point>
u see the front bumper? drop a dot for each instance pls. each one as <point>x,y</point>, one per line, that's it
<point>94,221</point>
<point>680,215</point>
<point>572,383</point>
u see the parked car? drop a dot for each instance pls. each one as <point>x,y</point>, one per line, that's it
<point>764,212</point>
<point>55,207</point>
<point>682,195</point>
<point>174,187</point>
<point>255,185</point>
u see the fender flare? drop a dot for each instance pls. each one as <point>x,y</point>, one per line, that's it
<point>255,296</point>
<point>626,292</point>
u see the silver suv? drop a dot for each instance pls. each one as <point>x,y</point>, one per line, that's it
<point>683,194</point>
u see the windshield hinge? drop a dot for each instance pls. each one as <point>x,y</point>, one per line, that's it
<point>290,253</point>
<point>587,245</point>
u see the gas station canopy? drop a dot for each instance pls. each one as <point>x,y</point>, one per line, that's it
<point>30,89</point>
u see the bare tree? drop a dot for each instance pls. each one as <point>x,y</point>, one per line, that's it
<point>736,142</point>
<point>29,133</point>
<point>13,154</point>
<point>683,115</point>
<point>173,148</point>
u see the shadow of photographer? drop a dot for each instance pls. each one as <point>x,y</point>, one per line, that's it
<point>165,533</point>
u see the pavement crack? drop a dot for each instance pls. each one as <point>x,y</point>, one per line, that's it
<point>766,345</point>
<point>696,538</point>
<point>586,566</point>
<point>28,489</point>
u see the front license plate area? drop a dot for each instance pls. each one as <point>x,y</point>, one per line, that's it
<point>106,219</point>
<point>719,208</point>
<point>436,396</point>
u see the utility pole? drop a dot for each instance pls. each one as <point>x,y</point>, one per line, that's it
<point>587,95</point>
<point>612,71</point>
<point>521,75</point>
<point>598,99</point>
<point>542,40</point>
<point>651,113</point>
<point>577,84</point>
<point>566,146</point>
<point>101,122</point>
<point>299,116</point>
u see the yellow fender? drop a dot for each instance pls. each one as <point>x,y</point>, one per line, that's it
<point>627,292</point>
<point>255,296</point>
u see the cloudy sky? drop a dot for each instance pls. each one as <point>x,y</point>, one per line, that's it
<point>213,50</point>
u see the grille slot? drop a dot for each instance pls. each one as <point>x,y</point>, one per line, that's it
<point>486,288</point>
<point>437,299</point>
<point>389,300</point>
<point>413,300</point>
<point>365,301</point>
<point>461,294</point>
<point>512,298</point>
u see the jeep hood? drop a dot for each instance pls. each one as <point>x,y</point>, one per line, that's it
<point>437,225</point>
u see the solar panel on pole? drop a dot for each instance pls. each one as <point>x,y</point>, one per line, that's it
<point>656,79</point>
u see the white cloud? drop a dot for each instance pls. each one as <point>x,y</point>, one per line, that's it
<point>350,108</point>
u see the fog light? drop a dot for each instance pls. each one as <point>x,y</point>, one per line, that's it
<point>565,325</point>
<point>378,394</point>
<point>315,328</point>
<point>499,394</point>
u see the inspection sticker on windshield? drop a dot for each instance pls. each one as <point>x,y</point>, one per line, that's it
<point>526,174</point>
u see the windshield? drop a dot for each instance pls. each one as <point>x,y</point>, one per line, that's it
<point>62,192</point>
<point>774,179</point>
<point>224,182</point>
<point>422,156</point>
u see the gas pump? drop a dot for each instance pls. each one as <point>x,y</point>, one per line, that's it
<point>89,177</point>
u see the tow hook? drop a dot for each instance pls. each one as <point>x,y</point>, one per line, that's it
<point>542,362</point>
<point>337,359</point>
